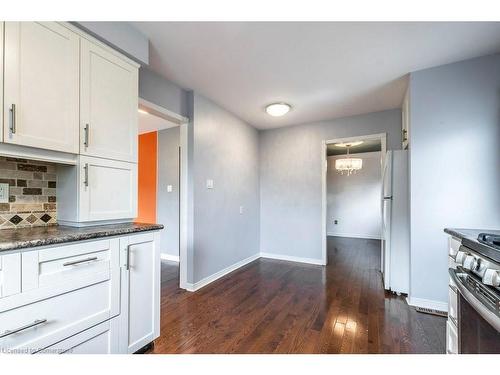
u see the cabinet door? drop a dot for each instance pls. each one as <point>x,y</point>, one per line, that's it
<point>41,98</point>
<point>140,309</point>
<point>109,103</point>
<point>108,189</point>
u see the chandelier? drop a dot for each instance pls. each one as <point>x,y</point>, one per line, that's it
<point>348,165</point>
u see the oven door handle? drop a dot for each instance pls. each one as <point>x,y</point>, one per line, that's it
<point>477,305</point>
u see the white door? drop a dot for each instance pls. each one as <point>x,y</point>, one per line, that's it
<point>41,99</point>
<point>108,189</point>
<point>140,309</point>
<point>386,219</point>
<point>109,102</point>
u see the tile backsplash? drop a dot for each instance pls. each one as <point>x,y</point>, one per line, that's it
<point>32,193</point>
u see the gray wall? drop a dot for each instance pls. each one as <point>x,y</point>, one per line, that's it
<point>168,203</point>
<point>454,163</point>
<point>290,179</point>
<point>226,150</point>
<point>160,91</point>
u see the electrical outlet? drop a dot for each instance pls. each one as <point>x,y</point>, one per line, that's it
<point>169,188</point>
<point>335,221</point>
<point>242,209</point>
<point>4,193</point>
<point>210,184</point>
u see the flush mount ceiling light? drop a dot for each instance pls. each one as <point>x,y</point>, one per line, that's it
<point>278,109</point>
<point>348,165</point>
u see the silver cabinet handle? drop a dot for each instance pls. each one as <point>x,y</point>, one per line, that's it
<point>79,261</point>
<point>13,119</point>
<point>12,331</point>
<point>86,131</point>
<point>127,266</point>
<point>86,177</point>
<point>388,198</point>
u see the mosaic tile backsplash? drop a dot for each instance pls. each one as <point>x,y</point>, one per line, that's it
<point>32,193</point>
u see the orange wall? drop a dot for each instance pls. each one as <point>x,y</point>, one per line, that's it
<point>147,171</point>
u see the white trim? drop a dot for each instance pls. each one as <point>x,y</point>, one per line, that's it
<point>171,258</point>
<point>293,258</point>
<point>352,235</point>
<point>427,303</point>
<point>162,112</point>
<point>210,279</point>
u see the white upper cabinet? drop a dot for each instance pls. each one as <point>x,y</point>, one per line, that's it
<point>108,190</point>
<point>108,102</point>
<point>41,86</point>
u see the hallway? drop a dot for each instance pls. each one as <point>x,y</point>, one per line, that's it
<point>272,306</point>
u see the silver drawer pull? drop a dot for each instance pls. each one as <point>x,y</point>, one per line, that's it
<point>79,261</point>
<point>34,324</point>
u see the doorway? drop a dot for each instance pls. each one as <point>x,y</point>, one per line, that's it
<point>167,190</point>
<point>351,195</point>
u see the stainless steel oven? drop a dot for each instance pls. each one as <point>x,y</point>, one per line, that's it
<point>478,309</point>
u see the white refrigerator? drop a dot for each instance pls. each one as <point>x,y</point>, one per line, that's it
<point>395,260</point>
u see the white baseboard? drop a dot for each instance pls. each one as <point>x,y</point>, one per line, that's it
<point>293,258</point>
<point>353,235</point>
<point>427,303</point>
<point>207,280</point>
<point>172,258</point>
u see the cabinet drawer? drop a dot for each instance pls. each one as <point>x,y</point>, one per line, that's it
<point>100,339</point>
<point>63,264</point>
<point>38,325</point>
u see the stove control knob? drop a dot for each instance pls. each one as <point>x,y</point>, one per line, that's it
<point>470,263</point>
<point>460,257</point>
<point>491,277</point>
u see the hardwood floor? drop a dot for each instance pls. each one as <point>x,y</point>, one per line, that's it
<point>272,306</point>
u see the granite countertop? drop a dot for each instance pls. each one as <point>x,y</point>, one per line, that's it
<point>468,237</point>
<point>24,238</point>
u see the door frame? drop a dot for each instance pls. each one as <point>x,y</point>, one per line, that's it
<point>184,182</point>
<point>324,166</point>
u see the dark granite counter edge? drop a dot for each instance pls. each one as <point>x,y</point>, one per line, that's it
<point>68,238</point>
<point>454,233</point>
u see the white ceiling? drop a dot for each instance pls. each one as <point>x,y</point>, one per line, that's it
<point>324,70</point>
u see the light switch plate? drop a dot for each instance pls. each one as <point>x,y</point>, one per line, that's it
<point>169,188</point>
<point>4,193</point>
<point>210,184</point>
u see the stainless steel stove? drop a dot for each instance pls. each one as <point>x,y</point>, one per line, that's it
<point>476,280</point>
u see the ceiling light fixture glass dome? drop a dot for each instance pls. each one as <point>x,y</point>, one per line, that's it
<point>278,109</point>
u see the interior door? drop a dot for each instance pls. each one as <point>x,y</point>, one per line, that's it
<point>41,97</point>
<point>386,219</point>
<point>109,102</point>
<point>140,312</point>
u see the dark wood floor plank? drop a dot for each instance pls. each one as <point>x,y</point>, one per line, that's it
<point>272,306</point>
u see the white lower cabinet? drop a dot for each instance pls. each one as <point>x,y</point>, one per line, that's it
<point>97,190</point>
<point>140,298</point>
<point>100,339</point>
<point>99,296</point>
